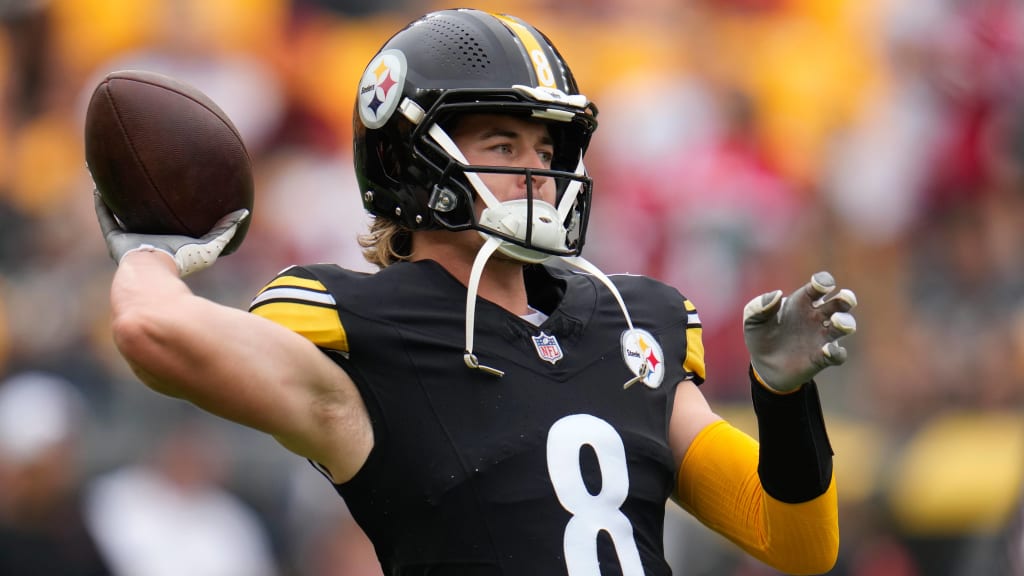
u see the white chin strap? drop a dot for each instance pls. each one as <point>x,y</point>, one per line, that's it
<point>510,218</point>
<point>492,245</point>
<point>485,253</point>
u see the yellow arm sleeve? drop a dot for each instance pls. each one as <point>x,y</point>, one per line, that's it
<point>718,483</point>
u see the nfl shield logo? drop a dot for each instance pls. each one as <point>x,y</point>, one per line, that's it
<point>547,347</point>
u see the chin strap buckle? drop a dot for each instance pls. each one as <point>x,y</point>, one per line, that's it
<point>472,362</point>
<point>644,370</point>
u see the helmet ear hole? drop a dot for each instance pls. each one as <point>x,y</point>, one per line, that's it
<point>389,162</point>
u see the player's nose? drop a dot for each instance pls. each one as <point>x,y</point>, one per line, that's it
<point>533,182</point>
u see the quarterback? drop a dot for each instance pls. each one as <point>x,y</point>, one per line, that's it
<point>489,402</point>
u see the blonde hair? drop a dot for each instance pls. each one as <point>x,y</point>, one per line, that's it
<point>386,243</point>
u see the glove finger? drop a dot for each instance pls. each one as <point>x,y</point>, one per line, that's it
<point>833,353</point>
<point>814,292</point>
<point>842,301</point>
<point>231,220</point>
<point>224,230</point>
<point>236,217</point>
<point>218,242</point>
<point>822,282</point>
<point>841,324</point>
<point>108,223</point>
<point>762,307</point>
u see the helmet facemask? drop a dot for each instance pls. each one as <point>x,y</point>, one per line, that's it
<point>530,228</point>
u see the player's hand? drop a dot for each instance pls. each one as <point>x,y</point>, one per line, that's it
<point>790,339</point>
<point>189,254</point>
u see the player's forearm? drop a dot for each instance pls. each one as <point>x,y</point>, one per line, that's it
<point>226,361</point>
<point>176,342</point>
<point>795,463</point>
<point>144,289</point>
<point>167,334</point>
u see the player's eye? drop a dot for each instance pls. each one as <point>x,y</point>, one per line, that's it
<point>546,156</point>
<point>504,149</point>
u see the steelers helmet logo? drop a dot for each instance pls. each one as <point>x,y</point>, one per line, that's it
<point>381,87</point>
<point>644,357</point>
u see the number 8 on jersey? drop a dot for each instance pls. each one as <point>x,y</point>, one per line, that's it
<point>592,513</point>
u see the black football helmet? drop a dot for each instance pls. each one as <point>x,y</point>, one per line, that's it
<point>468,61</point>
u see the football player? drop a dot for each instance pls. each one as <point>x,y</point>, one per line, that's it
<point>489,402</point>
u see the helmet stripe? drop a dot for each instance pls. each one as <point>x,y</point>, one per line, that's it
<point>538,56</point>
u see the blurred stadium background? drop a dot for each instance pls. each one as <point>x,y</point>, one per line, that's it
<point>744,144</point>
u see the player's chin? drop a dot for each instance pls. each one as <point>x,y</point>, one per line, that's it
<point>474,241</point>
<point>501,256</point>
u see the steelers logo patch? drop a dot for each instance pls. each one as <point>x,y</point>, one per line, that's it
<point>380,90</point>
<point>644,357</point>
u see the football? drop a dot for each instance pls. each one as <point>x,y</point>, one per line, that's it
<point>164,157</point>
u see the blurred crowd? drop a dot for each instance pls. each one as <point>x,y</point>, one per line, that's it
<point>744,144</point>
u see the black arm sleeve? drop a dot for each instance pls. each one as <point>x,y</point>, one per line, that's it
<point>795,454</point>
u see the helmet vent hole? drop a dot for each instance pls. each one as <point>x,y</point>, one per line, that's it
<point>457,46</point>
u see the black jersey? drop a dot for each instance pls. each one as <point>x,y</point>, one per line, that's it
<point>553,468</point>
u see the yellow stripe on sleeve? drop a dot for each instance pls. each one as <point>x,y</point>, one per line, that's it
<point>694,361</point>
<point>318,324</point>
<point>296,282</point>
<point>304,306</point>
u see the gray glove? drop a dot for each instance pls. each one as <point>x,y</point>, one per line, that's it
<point>190,254</point>
<point>791,339</point>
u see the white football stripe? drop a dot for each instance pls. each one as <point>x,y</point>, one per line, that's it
<point>290,293</point>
